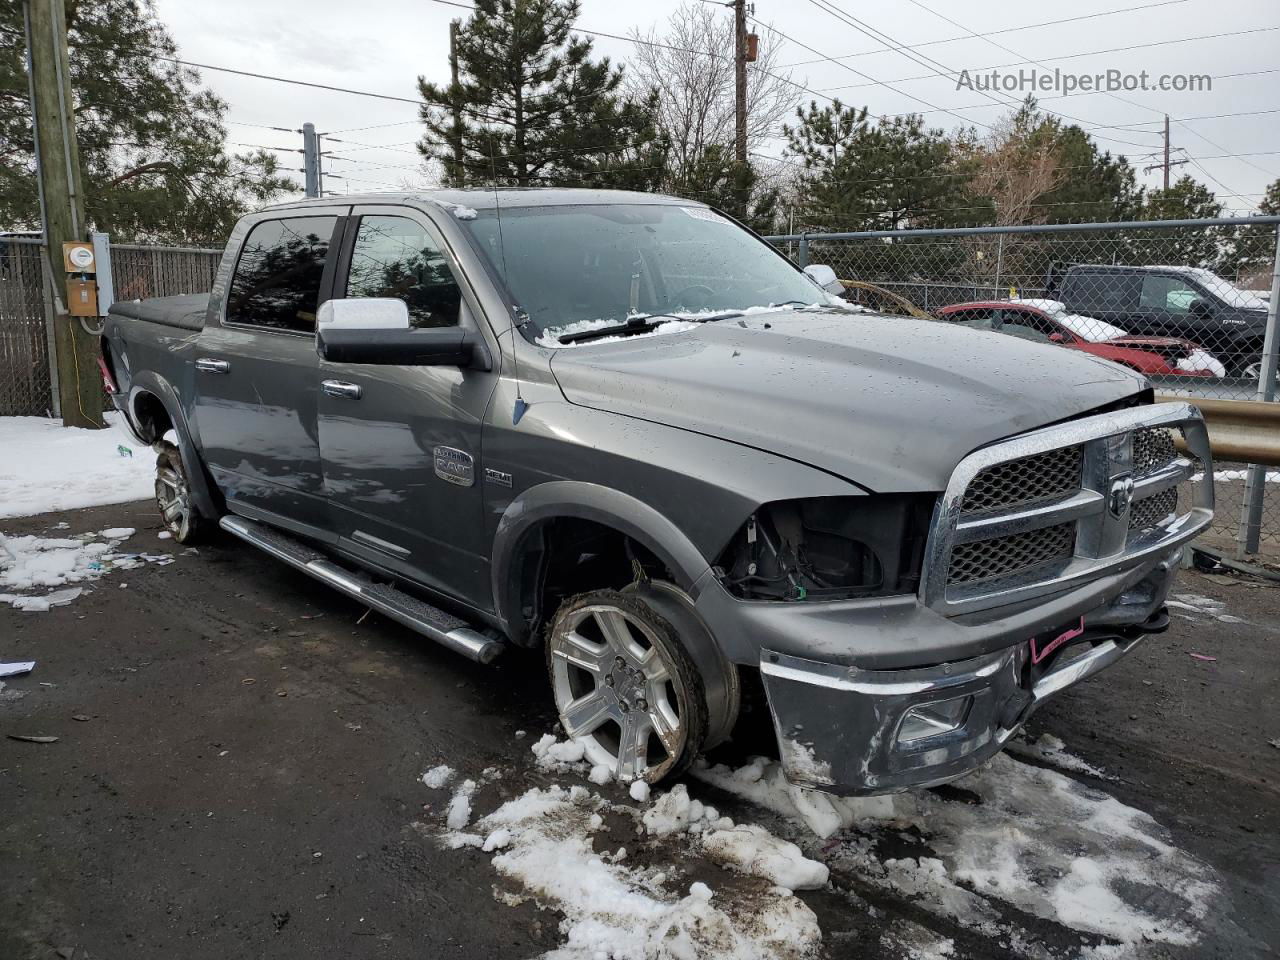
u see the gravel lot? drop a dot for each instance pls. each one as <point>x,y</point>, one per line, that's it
<point>238,771</point>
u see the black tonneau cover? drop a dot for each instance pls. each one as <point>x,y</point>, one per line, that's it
<point>186,311</point>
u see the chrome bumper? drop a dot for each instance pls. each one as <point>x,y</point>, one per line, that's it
<point>850,731</point>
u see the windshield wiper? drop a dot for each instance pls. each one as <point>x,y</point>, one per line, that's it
<point>641,324</point>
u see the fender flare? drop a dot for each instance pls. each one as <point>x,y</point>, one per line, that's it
<point>585,501</point>
<point>202,488</point>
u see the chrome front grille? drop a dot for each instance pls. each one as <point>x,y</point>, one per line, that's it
<point>1044,476</point>
<point>1064,504</point>
<point>1001,556</point>
<point>1153,511</point>
<point>1152,449</point>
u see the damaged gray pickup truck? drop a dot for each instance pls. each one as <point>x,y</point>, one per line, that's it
<point>623,430</point>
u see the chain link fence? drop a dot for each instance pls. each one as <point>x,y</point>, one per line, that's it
<point>25,382</point>
<point>26,370</point>
<point>1186,303</point>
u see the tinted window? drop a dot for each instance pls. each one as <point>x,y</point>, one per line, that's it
<point>1105,291</point>
<point>1024,323</point>
<point>394,257</point>
<point>277,281</point>
<point>1168,293</point>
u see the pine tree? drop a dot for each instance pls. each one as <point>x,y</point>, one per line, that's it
<point>151,141</point>
<point>534,109</point>
<point>1186,199</point>
<point>867,174</point>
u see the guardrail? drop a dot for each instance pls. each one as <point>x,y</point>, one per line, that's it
<point>1247,431</point>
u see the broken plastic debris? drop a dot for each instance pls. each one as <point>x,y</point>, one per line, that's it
<point>123,450</point>
<point>30,739</point>
<point>16,668</point>
<point>1204,657</point>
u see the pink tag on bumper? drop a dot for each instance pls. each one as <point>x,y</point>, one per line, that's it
<point>1039,654</point>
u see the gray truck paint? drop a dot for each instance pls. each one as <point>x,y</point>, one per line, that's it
<point>674,440</point>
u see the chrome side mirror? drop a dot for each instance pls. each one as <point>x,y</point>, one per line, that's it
<point>363,313</point>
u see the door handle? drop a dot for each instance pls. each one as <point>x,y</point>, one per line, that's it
<point>210,365</point>
<point>341,389</point>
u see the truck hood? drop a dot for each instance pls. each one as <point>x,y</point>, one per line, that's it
<point>889,403</point>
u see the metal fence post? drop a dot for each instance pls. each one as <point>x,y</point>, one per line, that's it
<point>1249,537</point>
<point>803,256</point>
<point>999,260</point>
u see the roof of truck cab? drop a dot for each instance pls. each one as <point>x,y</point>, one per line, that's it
<point>487,199</point>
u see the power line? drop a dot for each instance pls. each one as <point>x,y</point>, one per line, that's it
<point>1076,56</point>
<point>298,83</point>
<point>1112,95</point>
<point>939,68</point>
<point>1028,26</point>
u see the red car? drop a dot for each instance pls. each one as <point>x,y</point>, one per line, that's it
<point>1048,321</point>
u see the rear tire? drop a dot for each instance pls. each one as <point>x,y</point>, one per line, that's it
<point>625,686</point>
<point>178,511</point>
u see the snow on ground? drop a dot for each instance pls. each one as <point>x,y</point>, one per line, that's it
<point>1008,840</point>
<point>1191,606</point>
<point>1052,751</point>
<point>1022,836</point>
<point>543,841</point>
<point>48,467</point>
<point>37,573</point>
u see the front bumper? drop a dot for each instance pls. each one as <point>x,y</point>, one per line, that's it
<point>853,731</point>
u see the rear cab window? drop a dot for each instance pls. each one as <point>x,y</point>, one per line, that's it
<point>277,280</point>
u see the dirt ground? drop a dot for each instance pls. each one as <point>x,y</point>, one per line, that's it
<point>239,753</point>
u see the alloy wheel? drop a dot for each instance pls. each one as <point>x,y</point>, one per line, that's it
<point>617,691</point>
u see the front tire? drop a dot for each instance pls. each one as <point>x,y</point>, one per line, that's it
<point>177,507</point>
<point>625,687</point>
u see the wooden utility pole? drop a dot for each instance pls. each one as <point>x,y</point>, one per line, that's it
<point>740,79</point>
<point>61,203</point>
<point>456,133</point>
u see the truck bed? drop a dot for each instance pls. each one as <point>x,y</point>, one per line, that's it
<point>186,311</point>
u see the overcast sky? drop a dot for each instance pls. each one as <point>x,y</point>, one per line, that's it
<point>383,45</point>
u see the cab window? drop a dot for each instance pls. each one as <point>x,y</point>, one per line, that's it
<point>276,283</point>
<point>1168,293</point>
<point>395,257</point>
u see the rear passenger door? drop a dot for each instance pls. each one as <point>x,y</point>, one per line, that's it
<point>255,373</point>
<point>401,444</point>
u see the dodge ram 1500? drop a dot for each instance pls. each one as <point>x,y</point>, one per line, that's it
<point>623,430</point>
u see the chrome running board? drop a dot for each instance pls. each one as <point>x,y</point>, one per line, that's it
<point>444,628</point>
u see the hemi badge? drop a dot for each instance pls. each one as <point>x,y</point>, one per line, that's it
<point>497,476</point>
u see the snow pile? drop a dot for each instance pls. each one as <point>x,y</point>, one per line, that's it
<point>49,467</point>
<point>437,777</point>
<point>462,212</point>
<point>1090,328</point>
<point>1200,360</point>
<point>752,849</point>
<point>544,838</point>
<point>764,784</point>
<point>1019,836</point>
<point>31,565</point>
<point>559,756</point>
<point>459,814</point>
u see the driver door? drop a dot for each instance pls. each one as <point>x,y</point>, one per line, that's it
<point>400,445</point>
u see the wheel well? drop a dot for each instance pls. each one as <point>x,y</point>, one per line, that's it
<point>566,556</point>
<point>151,417</point>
